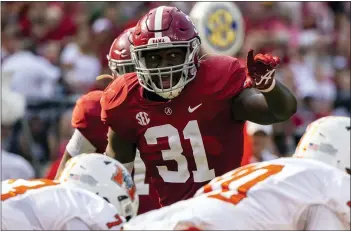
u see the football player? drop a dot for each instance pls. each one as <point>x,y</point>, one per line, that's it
<point>90,134</point>
<point>186,115</point>
<point>94,192</point>
<point>309,191</point>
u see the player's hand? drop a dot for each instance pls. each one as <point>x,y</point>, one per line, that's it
<point>260,71</point>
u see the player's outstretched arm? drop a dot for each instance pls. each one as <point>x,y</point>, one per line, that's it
<point>66,156</point>
<point>264,108</point>
<point>268,100</point>
<point>77,145</point>
<point>121,149</point>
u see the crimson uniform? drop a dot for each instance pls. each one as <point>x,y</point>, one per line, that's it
<point>188,140</point>
<point>86,118</point>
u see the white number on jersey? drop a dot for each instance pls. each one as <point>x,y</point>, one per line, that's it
<point>139,175</point>
<point>191,132</point>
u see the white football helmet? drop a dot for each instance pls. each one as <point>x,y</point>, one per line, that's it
<point>105,177</point>
<point>328,140</point>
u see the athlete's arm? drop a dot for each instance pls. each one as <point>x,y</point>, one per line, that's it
<point>66,156</point>
<point>121,149</point>
<point>78,144</point>
<point>275,106</point>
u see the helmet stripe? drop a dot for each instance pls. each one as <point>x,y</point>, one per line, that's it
<point>158,21</point>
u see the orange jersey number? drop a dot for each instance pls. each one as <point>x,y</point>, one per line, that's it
<point>231,196</point>
<point>18,187</point>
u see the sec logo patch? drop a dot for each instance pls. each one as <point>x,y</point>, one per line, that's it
<point>221,29</point>
<point>220,26</point>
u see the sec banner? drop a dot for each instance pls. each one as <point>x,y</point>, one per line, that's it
<point>220,26</point>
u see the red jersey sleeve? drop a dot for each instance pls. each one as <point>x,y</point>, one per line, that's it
<point>232,79</point>
<point>86,118</point>
<point>111,103</point>
<point>221,77</point>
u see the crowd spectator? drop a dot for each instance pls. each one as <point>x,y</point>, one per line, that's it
<point>79,64</point>
<point>12,110</point>
<point>28,74</point>
<point>262,143</point>
<point>58,141</point>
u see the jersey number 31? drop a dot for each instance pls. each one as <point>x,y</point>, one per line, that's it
<point>191,132</point>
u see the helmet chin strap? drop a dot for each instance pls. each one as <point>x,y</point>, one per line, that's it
<point>170,94</point>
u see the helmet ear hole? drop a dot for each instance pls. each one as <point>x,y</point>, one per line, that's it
<point>128,218</point>
<point>121,198</point>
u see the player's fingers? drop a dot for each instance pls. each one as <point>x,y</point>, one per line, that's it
<point>249,83</point>
<point>250,58</point>
<point>262,58</point>
<point>276,61</point>
<point>270,60</point>
<point>273,60</point>
<point>267,59</point>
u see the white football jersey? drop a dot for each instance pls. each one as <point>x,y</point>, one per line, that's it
<point>43,204</point>
<point>287,193</point>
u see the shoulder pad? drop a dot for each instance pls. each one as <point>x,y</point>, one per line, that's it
<point>87,106</point>
<point>115,94</point>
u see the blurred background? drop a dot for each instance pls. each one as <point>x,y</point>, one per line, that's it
<point>51,53</point>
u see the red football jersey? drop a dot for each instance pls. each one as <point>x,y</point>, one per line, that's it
<point>86,118</point>
<point>188,140</point>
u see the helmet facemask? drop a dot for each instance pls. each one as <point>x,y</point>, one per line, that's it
<point>187,69</point>
<point>120,67</point>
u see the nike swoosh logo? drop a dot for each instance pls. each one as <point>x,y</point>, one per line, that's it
<point>191,110</point>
